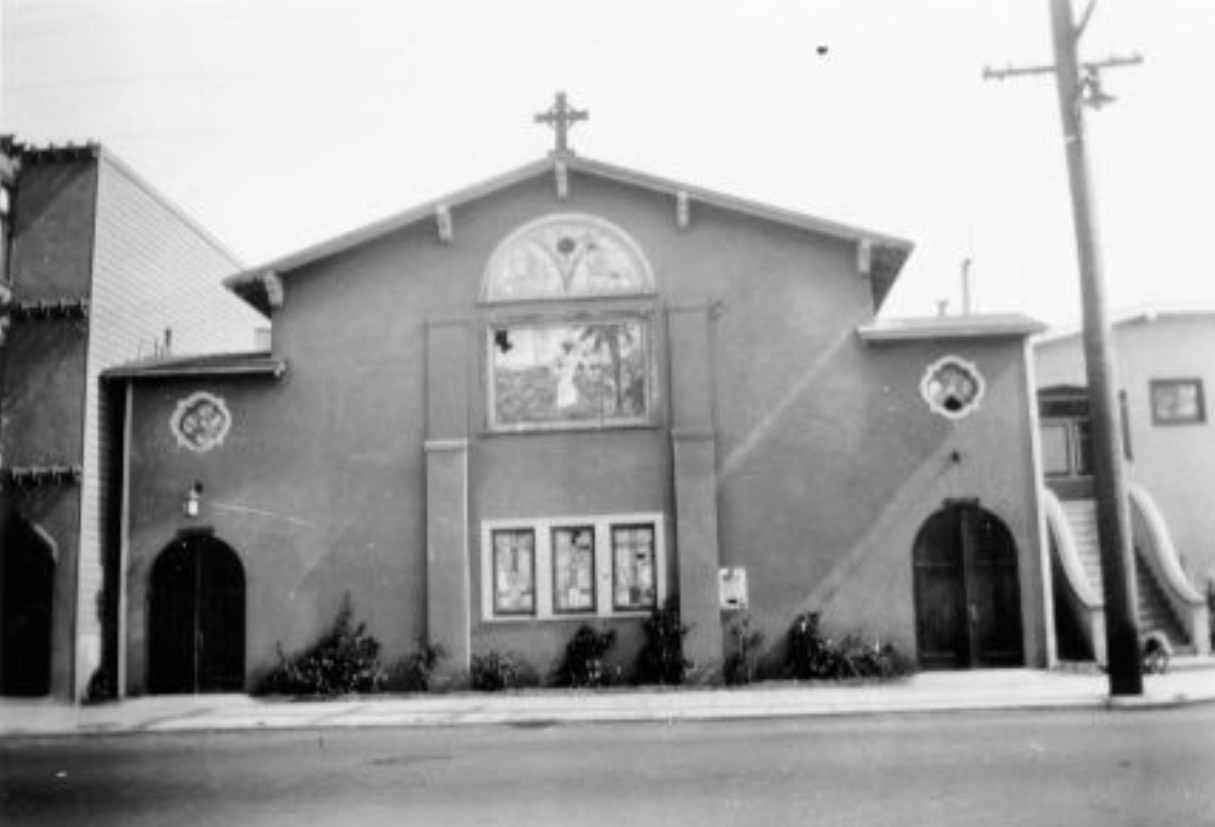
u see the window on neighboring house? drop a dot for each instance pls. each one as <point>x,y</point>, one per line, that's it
<point>1056,449</point>
<point>1177,402</point>
<point>572,567</point>
<point>568,362</point>
<point>514,571</point>
<point>1067,449</point>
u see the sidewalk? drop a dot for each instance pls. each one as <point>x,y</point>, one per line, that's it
<point>1192,680</point>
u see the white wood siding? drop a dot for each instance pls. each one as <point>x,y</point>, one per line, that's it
<point>153,269</point>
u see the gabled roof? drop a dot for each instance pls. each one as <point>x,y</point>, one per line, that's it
<point>1136,315</point>
<point>888,253</point>
<point>257,363</point>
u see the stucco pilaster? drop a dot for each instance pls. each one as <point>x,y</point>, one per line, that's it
<point>695,480</point>
<point>447,549</point>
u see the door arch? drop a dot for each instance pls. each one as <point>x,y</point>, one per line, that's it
<point>967,591</point>
<point>196,618</point>
<point>27,591</point>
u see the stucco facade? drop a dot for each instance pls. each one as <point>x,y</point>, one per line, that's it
<point>780,430</point>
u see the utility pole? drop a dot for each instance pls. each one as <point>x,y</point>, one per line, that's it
<point>1079,85</point>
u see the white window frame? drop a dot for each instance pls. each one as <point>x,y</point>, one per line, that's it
<point>604,570</point>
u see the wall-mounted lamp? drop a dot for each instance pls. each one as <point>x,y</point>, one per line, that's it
<point>191,501</point>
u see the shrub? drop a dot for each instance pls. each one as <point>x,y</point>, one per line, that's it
<point>413,673</point>
<point>661,659</point>
<point>102,686</point>
<point>345,660</point>
<point>583,664</point>
<point>742,663</point>
<point>1211,608</point>
<point>811,655</point>
<point>494,672</point>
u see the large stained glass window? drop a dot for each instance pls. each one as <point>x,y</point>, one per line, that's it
<point>514,571</point>
<point>586,373</point>
<point>633,573</point>
<point>566,256</point>
<point>574,569</point>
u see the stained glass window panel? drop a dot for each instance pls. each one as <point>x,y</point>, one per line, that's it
<point>574,569</point>
<point>570,373</point>
<point>566,256</point>
<point>634,584</point>
<point>514,571</point>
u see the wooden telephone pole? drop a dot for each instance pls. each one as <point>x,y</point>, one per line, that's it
<point>1079,85</point>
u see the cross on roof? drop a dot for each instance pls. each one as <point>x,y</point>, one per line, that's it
<point>560,116</point>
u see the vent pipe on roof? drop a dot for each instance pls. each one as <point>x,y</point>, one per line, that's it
<point>967,287</point>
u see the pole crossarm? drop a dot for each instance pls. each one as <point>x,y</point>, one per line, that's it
<point>1111,62</point>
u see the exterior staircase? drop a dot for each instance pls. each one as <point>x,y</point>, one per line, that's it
<point>1165,608</point>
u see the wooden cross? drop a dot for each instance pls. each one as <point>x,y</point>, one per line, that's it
<point>560,116</point>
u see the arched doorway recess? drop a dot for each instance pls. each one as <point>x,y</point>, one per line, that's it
<point>196,617</point>
<point>967,592</point>
<point>27,590</point>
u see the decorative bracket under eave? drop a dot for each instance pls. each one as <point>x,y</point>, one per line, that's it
<point>42,476</point>
<point>562,175</point>
<point>273,285</point>
<point>443,224</point>
<point>864,257</point>
<point>60,308</point>
<point>682,209</point>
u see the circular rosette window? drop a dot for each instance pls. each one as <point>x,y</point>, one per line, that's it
<point>952,387</point>
<point>200,422</point>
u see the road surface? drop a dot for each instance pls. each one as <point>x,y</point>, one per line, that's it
<point>1151,768</point>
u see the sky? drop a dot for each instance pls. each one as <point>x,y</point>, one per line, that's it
<point>279,124</point>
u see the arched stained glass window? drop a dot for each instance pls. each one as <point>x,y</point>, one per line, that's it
<point>566,256</point>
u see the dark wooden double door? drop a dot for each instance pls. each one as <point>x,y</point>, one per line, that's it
<point>197,619</point>
<point>967,593</point>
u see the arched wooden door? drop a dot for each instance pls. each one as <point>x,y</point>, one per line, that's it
<point>196,618</point>
<point>27,588</point>
<point>967,592</point>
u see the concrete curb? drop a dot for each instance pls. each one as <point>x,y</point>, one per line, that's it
<point>926,694</point>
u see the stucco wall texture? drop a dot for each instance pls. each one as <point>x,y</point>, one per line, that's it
<point>1175,463</point>
<point>827,460</point>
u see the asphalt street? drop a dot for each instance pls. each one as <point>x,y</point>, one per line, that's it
<point>1081,767</point>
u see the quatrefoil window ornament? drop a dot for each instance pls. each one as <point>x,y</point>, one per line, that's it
<point>952,387</point>
<point>200,422</point>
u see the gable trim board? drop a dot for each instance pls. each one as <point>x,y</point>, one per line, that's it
<point>880,257</point>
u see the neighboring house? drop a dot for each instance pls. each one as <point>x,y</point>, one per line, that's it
<point>1165,370</point>
<point>99,270</point>
<point>565,396</point>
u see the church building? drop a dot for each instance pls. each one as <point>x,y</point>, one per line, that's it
<point>565,396</point>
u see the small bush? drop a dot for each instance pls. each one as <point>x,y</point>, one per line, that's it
<point>345,660</point>
<point>811,655</point>
<point>413,673</point>
<point>583,664</point>
<point>102,686</point>
<point>494,672</point>
<point>742,663</point>
<point>1211,609</point>
<point>661,659</point>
